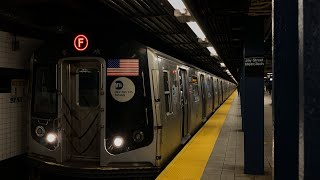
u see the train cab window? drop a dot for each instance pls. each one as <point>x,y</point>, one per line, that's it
<point>167,93</point>
<point>88,87</point>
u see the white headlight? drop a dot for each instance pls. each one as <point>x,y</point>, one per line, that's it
<point>51,137</point>
<point>118,141</point>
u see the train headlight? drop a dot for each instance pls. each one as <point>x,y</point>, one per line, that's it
<point>51,138</point>
<point>40,131</point>
<point>118,141</point>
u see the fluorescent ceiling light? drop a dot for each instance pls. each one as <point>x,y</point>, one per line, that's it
<point>178,5</point>
<point>197,30</point>
<point>213,52</point>
<point>222,65</point>
<point>269,73</point>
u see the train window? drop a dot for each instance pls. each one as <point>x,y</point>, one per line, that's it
<point>88,87</point>
<point>45,97</point>
<point>167,93</point>
<point>195,88</point>
<point>209,89</point>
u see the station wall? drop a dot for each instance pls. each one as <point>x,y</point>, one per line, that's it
<point>15,53</point>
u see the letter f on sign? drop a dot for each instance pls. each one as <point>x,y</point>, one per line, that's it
<point>80,41</point>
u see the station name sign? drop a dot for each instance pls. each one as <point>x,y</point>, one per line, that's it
<point>254,66</point>
<point>254,62</point>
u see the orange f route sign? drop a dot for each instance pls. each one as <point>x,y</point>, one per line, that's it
<point>81,42</point>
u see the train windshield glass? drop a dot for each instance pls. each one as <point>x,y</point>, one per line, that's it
<point>88,87</point>
<point>45,97</point>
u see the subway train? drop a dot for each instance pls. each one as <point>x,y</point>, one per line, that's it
<point>102,107</point>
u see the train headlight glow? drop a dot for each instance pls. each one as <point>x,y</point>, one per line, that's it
<point>118,141</point>
<point>51,137</point>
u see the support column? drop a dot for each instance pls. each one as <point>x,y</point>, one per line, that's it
<point>285,89</point>
<point>309,89</point>
<point>254,97</point>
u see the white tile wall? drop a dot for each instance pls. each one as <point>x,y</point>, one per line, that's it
<point>13,116</point>
<point>12,127</point>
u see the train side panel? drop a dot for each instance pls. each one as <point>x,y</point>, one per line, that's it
<point>171,113</point>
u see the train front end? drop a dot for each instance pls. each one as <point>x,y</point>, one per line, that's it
<point>91,110</point>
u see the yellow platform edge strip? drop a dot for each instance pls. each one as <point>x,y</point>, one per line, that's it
<point>191,161</point>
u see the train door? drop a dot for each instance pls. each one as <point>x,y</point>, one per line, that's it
<point>212,92</point>
<point>216,95</point>
<point>203,95</point>
<point>184,101</point>
<point>222,97</point>
<point>219,94</point>
<point>81,107</point>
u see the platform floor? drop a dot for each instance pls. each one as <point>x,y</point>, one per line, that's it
<point>227,158</point>
<point>216,151</point>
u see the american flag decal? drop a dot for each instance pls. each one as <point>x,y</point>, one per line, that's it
<point>123,67</point>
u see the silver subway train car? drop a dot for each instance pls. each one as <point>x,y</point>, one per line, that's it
<point>115,107</point>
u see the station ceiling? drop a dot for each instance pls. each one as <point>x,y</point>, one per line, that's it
<point>150,21</point>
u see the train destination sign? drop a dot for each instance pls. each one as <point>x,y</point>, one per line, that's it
<point>254,66</point>
<point>80,42</point>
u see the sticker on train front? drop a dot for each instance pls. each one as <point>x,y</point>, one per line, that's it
<point>122,89</point>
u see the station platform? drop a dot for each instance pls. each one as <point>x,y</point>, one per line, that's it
<point>216,151</point>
